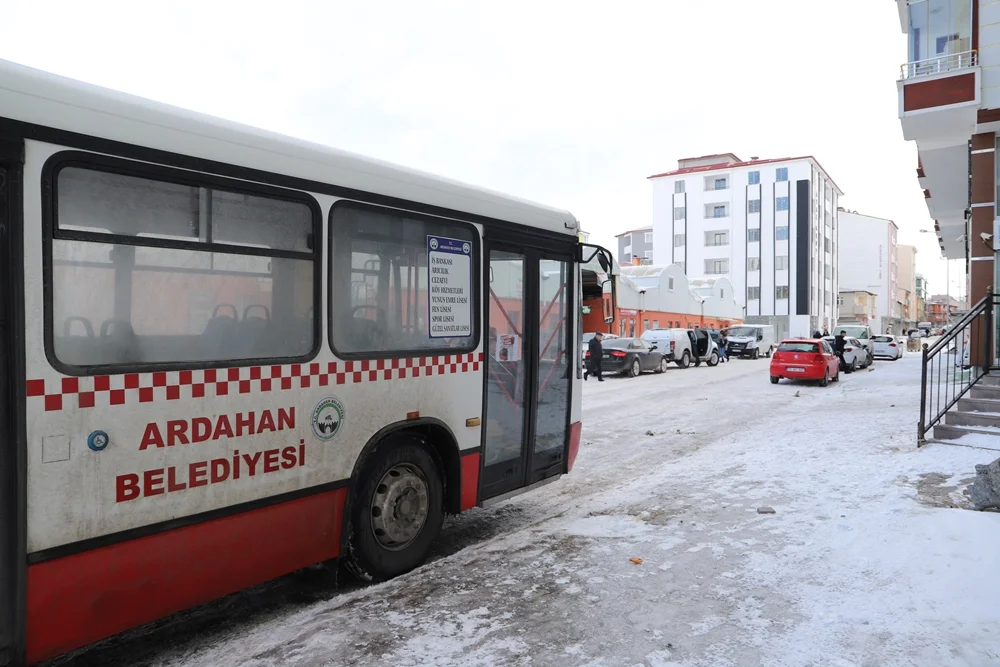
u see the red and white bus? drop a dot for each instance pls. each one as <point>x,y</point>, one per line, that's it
<point>226,355</point>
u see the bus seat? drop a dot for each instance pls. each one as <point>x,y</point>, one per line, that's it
<point>118,342</point>
<point>252,338</point>
<point>219,331</point>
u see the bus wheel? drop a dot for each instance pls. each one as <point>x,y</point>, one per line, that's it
<point>397,513</point>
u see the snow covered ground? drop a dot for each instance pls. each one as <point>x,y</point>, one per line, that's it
<point>652,552</point>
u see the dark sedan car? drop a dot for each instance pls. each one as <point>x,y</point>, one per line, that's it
<point>631,357</point>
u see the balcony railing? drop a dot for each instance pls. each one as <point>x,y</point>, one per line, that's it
<point>939,64</point>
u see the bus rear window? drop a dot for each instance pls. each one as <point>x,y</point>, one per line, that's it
<point>148,272</point>
<point>798,347</point>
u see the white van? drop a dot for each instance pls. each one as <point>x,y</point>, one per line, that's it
<point>674,343</point>
<point>678,346</point>
<point>751,340</point>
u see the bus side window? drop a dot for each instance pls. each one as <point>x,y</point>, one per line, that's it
<point>379,282</point>
<point>162,264</point>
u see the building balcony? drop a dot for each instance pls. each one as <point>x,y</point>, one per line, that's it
<point>939,99</point>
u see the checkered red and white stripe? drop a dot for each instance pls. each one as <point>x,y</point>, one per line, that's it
<point>132,388</point>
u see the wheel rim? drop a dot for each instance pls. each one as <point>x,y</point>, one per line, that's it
<point>663,365</point>
<point>635,368</point>
<point>400,506</point>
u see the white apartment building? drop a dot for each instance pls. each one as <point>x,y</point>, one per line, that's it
<point>769,226</point>
<point>869,260</point>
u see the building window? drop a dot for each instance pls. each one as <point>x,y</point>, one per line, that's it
<point>753,264</point>
<point>678,187</point>
<point>679,213</point>
<point>781,174</point>
<point>649,237</point>
<point>716,238</point>
<point>162,272</point>
<point>670,283</point>
<point>656,324</point>
<point>678,240</point>
<point>781,233</point>
<point>781,292</point>
<point>753,206</point>
<point>782,204</point>
<point>828,245</point>
<point>753,235</point>
<point>716,183</point>
<point>754,178</point>
<point>716,267</point>
<point>781,263</point>
<point>840,300</point>
<point>938,29</point>
<point>753,293</point>
<point>716,211</point>
<point>648,254</point>
<point>628,250</point>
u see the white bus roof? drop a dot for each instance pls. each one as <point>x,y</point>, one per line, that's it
<point>32,96</point>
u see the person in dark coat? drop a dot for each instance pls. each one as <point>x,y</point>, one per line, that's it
<point>596,357</point>
<point>839,345</point>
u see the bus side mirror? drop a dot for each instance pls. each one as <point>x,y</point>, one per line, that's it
<point>609,307</point>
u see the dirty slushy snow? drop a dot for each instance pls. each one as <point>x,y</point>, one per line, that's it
<point>652,552</point>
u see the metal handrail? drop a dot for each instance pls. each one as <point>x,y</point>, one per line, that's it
<point>939,64</point>
<point>941,385</point>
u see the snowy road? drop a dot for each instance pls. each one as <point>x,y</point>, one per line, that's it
<point>863,563</point>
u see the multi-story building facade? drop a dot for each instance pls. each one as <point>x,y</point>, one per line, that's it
<point>857,305</point>
<point>906,284</point>
<point>949,104</point>
<point>921,298</point>
<point>768,226</point>
<point>868,260</point>
<point>941,309</point>
<point>635,244</point>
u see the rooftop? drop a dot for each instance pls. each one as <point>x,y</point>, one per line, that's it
<point>632,231</point>
<point>738,165</point>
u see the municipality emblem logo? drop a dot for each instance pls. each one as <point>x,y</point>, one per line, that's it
<point>434,244</point>
<point>328,418</point>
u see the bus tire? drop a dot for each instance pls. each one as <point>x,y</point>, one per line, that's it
<point>396,513</point>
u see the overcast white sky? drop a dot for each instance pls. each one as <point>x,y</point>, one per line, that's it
<point>572,104</point>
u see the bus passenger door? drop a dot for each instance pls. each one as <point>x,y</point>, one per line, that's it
<point>528,369</point>
<point>12,526</point>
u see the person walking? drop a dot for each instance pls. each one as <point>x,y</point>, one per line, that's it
<point>839,345</point>
<point>723,343</point>
<point>596,351</point>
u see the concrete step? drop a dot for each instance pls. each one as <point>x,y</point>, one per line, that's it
<point>978,405</point>
<point>972,419</point>
<point>990,381</point>
<point>985,391</point>
<point>949,432</point>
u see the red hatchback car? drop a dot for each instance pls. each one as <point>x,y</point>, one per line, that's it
<point>805,359</point>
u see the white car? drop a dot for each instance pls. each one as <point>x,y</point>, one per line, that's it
<point>862,332</point>
<point>888,347</point>
<point>855,354</point>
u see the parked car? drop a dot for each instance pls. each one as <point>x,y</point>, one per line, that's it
<point>855,354</point>
<point>862,332</point>
<point>751,340</point>
<point>675,344</point>
<point>587,337</point>
<point>631,357</point>
<point>805,359</point>
<point>705,347</point>
<point>925,327</point>
<point>887,347</point>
